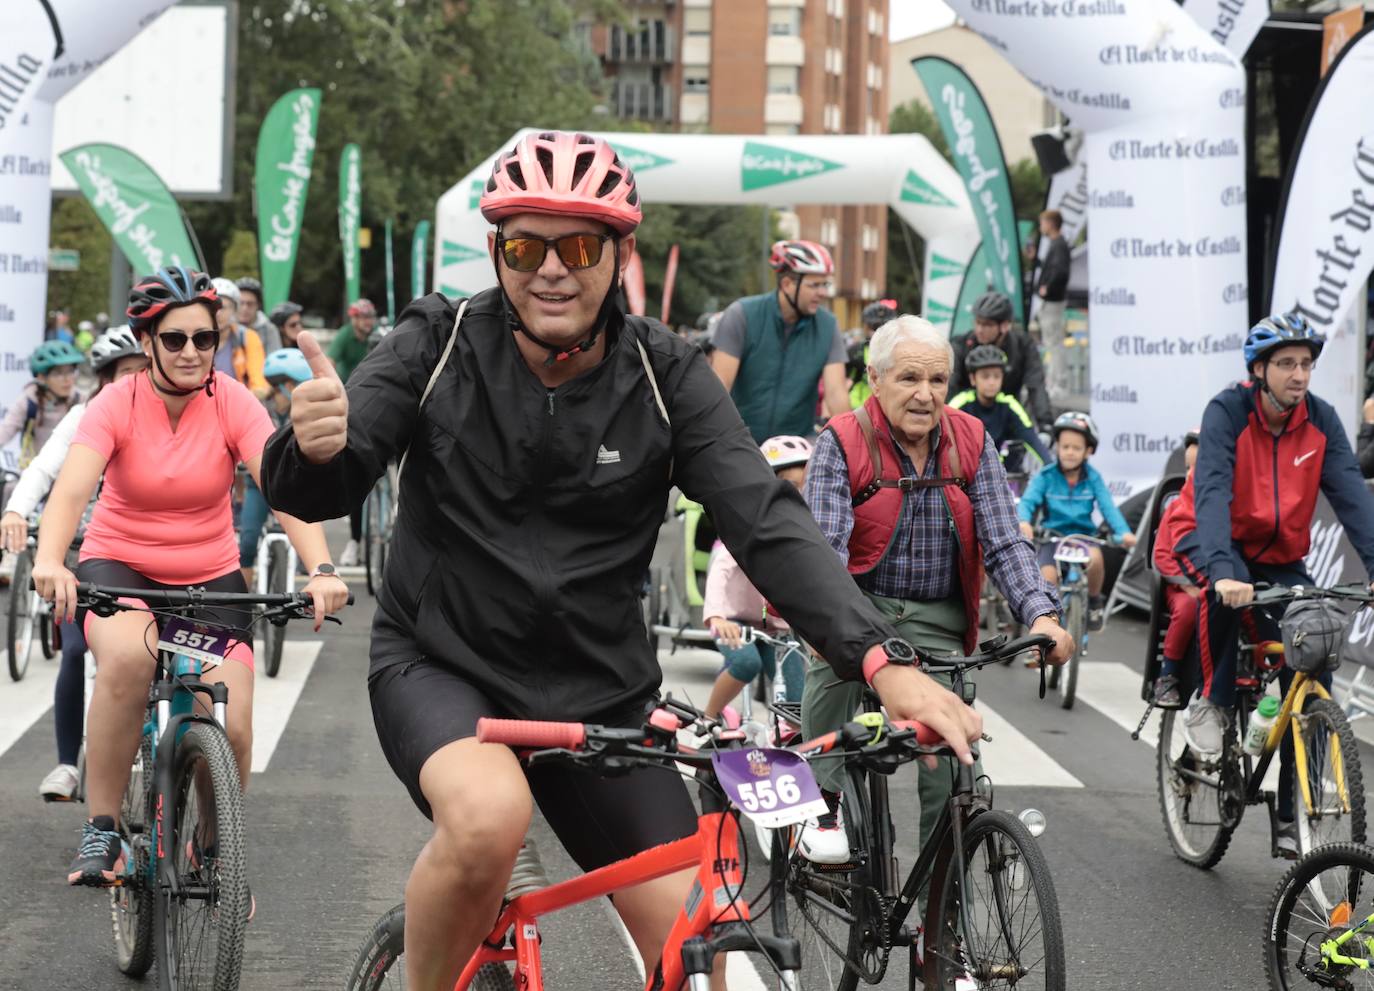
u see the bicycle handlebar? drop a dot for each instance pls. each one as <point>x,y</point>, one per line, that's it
<point>1266,593</point>
<point>104,600</point>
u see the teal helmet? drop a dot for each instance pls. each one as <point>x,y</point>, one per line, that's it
<point>53,354</point>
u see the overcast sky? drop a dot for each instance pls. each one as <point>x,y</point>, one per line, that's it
<point>909,17</point>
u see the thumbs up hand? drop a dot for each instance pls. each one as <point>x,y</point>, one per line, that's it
<point>319,407</point>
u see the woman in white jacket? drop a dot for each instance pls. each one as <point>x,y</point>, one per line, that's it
<point>114,355</point>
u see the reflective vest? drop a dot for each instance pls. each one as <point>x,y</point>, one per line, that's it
<point>775,388</point>
<point>865,437</point>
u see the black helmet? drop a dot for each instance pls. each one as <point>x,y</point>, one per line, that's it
<point>252,285</point>
<point>283,312</point>
<point>879,313</point>
<point>986,356</point>
<point>992,305</point>
<point>1080,423</point>
<point>1192,437</point>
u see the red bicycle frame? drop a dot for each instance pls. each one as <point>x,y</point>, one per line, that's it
<point>717,896</point>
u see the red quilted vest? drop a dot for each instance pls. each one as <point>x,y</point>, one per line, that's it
<point>877,496</point>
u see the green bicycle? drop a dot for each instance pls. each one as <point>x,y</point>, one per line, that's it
<point>1319,931</point>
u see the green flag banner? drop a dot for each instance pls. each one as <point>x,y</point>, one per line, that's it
<point>978,279</point>
<point>418,245</point>
<point>977,152</point>
<point>134,205</point>
<point>390,279</point>
<point>350,211</point>
<point>281,178</point>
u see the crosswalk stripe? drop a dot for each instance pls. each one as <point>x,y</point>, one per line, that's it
<point>1013,760</point>
<point>22,703</point>
<point>1113,689</point>
<point>274,698</point>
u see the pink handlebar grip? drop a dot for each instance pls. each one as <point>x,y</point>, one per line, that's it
<point>924,734</point>
<point>532,734</point>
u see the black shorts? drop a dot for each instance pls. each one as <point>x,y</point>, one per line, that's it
<point>421,706</point>
<point>116,574</point>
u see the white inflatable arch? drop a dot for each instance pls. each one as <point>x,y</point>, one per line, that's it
<point>902,171</point>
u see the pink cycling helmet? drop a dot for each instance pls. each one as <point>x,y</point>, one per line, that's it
<point>561,174</point>
<point>786,451</point>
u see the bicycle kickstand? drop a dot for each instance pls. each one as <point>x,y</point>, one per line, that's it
<point>1149,708</point>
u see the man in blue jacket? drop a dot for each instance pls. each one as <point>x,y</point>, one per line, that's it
<point>1266,448</point>
<point>771,350</point>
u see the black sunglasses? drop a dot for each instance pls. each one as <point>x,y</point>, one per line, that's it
<point>526,254</point>
<point>174,340</point>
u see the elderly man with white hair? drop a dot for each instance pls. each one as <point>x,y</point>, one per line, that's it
<point>912,495</point>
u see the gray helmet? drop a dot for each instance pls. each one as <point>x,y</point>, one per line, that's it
<point>986,356</point>
<point>992,305</point>
<point>112,345</point>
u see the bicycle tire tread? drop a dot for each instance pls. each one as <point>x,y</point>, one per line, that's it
<point>1350,759</point>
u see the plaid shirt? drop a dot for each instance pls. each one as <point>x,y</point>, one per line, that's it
<point>920,564</point>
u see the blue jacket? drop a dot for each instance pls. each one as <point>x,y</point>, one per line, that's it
<point>1069,509</point>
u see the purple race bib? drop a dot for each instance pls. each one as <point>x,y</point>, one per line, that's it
<point>207,644</point>
<point>771,787</point>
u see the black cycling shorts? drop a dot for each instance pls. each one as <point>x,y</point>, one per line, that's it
<point>116,574</point>
<point>420,706</point>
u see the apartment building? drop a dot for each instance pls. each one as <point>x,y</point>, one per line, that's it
<point>766,67</point>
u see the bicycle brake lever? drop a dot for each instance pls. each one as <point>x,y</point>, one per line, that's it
<point>1043,661</point>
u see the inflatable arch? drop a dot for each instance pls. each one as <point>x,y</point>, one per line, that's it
<point>902,171</point>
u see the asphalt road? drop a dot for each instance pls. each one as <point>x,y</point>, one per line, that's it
<point>333,834</point>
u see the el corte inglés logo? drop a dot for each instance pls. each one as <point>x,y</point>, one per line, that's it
<point>917,190</point>
<point>639,160</point>
<point>764,165</point>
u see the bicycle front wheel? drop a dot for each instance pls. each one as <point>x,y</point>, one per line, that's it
<point>997,925</point>
<point>131,905</point>
<point>1200,799</point>
<point>273,635</point>
<point>379,967</point>
<point>1329,786</point>
<point>200,922</point>
<point>23,615</point>
<point>1075,621</point>
<point>1319,899</point>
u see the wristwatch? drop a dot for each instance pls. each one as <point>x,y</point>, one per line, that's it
<point>899,652</point>
<point>323,569</point>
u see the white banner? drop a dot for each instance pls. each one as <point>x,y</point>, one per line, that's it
<point>902,171</point>
<point>26,48</point>
<point>1232,24</point>
<point>1326,224</point>
<point>1162,105</point>
<point>88,32</point>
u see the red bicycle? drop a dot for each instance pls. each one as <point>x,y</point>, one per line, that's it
<point>771,786</point>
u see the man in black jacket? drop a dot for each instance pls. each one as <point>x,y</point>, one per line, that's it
<point>540,438</point>
<point>1053,290</point>
<point>992,318</point>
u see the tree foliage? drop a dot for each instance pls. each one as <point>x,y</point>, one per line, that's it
<point>85,292</point>
<point>427,88</point>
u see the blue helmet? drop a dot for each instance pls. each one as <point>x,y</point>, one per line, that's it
<point>1281,330</point>
<point>287,363</point>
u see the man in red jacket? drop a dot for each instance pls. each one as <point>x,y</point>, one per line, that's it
<point>1267,447</point>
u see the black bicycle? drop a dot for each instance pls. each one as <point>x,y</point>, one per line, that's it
<point>981,885</point>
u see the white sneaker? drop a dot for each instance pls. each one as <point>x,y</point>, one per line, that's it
<point>60,784</point>
<point>1204,727</point>
<point>824,844</point>
<point>349,557</point>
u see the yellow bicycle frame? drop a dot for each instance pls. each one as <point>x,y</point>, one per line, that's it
<point>1303,685</point>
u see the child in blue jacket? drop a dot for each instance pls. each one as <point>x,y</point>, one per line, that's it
<point>1065,495</point>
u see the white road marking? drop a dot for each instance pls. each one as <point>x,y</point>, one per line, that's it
<point>1012,759</point>
<point>1113,689</point>
<point>274,698</point>
<point>23,703</point>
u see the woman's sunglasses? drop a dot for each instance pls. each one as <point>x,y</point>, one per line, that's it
<point>174,340</point>
<point>526,254</point>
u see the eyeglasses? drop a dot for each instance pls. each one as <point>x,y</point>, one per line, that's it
<point>826,286</point>
<point>1287,365</point>
<point>174,340</point>
<point>526,254</point>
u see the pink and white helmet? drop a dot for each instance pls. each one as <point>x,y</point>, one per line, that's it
<point>561,174</point>
<point>802,257</point>
<point>786,452</point>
